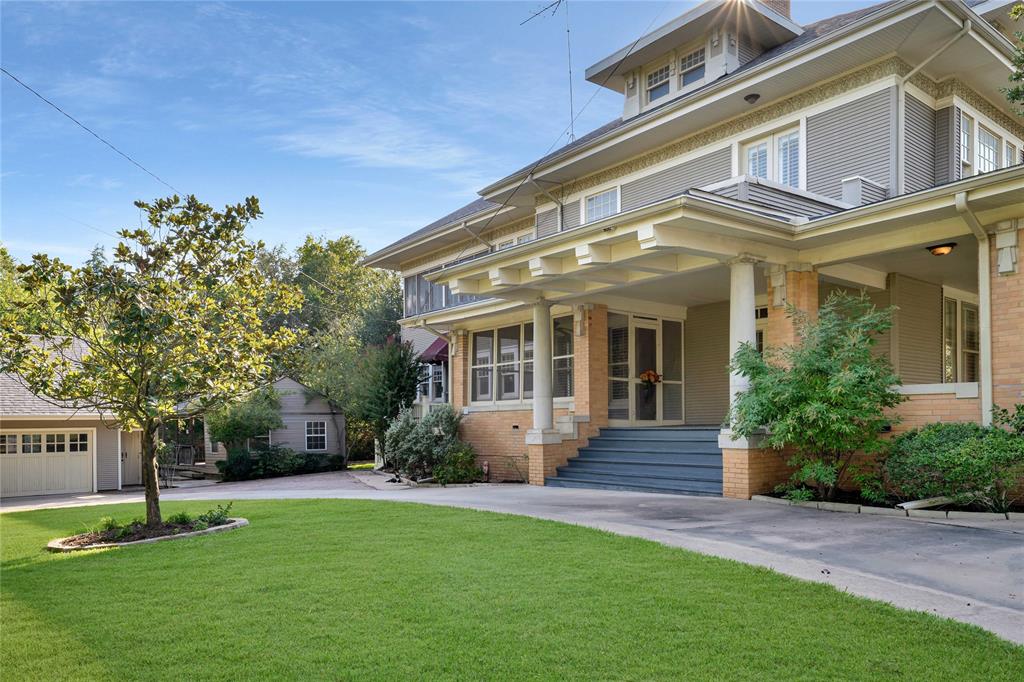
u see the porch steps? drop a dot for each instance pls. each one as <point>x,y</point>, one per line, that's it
<point>682,460</point>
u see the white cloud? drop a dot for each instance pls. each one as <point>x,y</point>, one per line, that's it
<point>91,181</point>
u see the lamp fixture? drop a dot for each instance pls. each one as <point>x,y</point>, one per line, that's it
<point>752,98</point>
<point>942,249</point>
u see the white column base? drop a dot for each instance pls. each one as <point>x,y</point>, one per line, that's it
<point>729,441</point>
<point>543,437</point>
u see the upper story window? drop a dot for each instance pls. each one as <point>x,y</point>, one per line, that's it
<point>1012,157</point>
<point>691,68</point>
<point>657,83</point>
<point>988,150</point>
<point>602,204</point>
<point>775,157</point>
<point>966,143</point>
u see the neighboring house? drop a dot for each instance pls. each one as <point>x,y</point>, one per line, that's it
<point>433,352</point>
<point>310,424</point>
<point>757,163</point>
<point>46,449</point>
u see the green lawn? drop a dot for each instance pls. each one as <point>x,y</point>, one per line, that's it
<point>375,590</point>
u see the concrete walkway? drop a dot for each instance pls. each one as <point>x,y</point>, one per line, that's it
<point>970,572</point>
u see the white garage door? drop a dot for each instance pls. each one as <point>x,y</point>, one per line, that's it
<point>46,462</point>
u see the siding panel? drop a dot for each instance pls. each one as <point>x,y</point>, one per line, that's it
<point>944,158</point>
<point>571,215</point>
<point>787,201</point>
<point>546,223</point>
<point>918,329</point>
<point>706,363</point>
<point>713,167</point>
<point>853,139</point>
<point>919,170</point>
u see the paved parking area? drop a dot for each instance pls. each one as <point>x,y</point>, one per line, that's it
<point>971,572</point>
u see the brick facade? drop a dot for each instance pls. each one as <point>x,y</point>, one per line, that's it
<point>802,292</point>
<point>919,410</point>
<point>754,471</point>
<point>1008,331</point>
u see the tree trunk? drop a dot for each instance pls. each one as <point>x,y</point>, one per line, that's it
<point>150,475</point>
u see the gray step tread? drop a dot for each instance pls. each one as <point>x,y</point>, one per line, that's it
<point>602,485</point>
<point>669,446</point>
<point>653,457</point>
<point>703,473</point>
<point>670,480</point>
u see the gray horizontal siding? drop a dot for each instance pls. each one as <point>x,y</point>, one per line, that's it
<point>713,167</point>
<point>546,223</point>
<point>918,329</point>
<point>419,337</point>
<point>731,191</point>
<point>919,142</point>
<point>852,139</point>
<point>944,156</point>
<point>871,193</point>
<point>787,201</point>
<point>748,50</point>
<point>706,363</point>
<point>571,215</point>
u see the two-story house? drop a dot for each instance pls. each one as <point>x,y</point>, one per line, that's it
<point>757,163</point>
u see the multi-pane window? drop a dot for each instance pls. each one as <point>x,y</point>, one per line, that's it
<point>1012,156</point>
<point>78,442</point>
<point>961,340</point>
<point>966,142</point>
<point>55,442</point>
<point>502,362</point>
<point>657,83</point>
<point>602,205</point>
<point>8,444</point>
<point>316,435</point>
<point>988,150</point>
<point>757,160</point>
<point>437,382</point>
<point>691,67</point>
<point>31,442</point>
<point>788,158</point>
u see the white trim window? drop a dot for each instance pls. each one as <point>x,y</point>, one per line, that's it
<point>961,339</point>
<point>691,68</point>
<point>602,204</point>
<point>658,83</point>
<point>8,444</point>
<point>55,442</point>
<point>78,442</point>
<point>31,443</point>
<point>774,157</point>
<point>316,436</point>
<point>1012,156</point>
<point>988,150</point>
<point>501,368</point>
<point>966,144</point>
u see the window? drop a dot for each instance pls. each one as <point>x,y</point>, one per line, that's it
<point>775,157</point>
<point>760,320</point>
<point>966,142</point>
<point>502,362</point>
<point>1012,157</point>
<point>8,444</point>
<point>691,67</point>
<point>55,442</point>
<point>31,442</point>
<point>988,151</point>
<point>316,435</point>
<point>960,340</point>
<point>78,442</point>
<point>437,382</point>
<point>602,205</point>
<point>657,83</point>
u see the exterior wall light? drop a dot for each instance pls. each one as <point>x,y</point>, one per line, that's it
<point>942,249</point>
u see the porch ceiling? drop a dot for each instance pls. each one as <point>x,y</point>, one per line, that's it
<point>959,269</point>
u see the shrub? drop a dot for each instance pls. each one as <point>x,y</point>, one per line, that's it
<point>181,518</point>
<point>107,523</point>
<point>825,397</point>
<point>971,464</point>
<point>267,462</point>
<point>458,466</point>
<point>419,449</point>
<point>397,451</point>
<point>214,517</point>
<point>237,466</point>
<point>1013,421</point>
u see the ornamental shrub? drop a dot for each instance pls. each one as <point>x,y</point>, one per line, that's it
<point>458,466</point>
<point>418,449</point>
<point>268,462</point>
<point>398,449</point>
<point>826,396</point>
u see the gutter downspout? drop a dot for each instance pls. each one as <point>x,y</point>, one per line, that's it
<point>901,95</point>
<point>984,304</point>
<point>561,207</point>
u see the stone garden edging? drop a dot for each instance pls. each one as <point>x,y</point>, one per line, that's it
<point>58,544</point>
<point>846,508</point>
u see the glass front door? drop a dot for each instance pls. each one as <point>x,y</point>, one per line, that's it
<point>639,344</point>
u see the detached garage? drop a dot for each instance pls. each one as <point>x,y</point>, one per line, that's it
<point>46,449</point>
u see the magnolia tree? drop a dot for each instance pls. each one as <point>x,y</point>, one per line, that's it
<point>172,326</point>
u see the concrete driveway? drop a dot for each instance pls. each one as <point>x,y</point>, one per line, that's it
<point>969,572</point>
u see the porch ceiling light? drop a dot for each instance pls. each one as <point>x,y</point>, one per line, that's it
<point>752,98</point>
<point>942,249</point>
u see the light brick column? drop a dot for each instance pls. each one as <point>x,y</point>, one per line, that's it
<point>458,356</point>
<point>1007,296</point>
<point>795,284</point>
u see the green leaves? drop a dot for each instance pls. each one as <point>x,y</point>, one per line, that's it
<point>824,397</point>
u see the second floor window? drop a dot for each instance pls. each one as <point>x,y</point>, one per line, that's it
<point>988,151</point>
<point>602,205</point>
<point>1012,157</point>
<point>691,67</point>
<point>657,83</point>
<point>775,157</point>
<point>966,143</point>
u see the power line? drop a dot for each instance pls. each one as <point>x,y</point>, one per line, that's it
<point>91,132</point>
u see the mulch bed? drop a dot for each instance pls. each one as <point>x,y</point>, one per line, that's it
<point>133,533</point>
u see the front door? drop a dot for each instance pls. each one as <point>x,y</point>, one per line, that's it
<point>639,345</point>
<point>131,458</point>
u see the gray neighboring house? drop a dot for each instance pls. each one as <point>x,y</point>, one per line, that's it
<point>311,424</point>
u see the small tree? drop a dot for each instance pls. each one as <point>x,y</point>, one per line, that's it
<point>384,381</point>
<point>825,396</point>
<point>256,415</point>
<point>1015,93</point>
<point>172,326</point>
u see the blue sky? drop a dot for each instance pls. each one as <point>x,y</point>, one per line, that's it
<point>369,119</point>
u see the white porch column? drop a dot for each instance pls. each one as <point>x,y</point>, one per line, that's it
<point>543,403</point>
<point>742,325</point>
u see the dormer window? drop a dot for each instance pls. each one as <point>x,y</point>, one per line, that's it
<point>775,157</point>
<point>657,83</point>
<point>691,68</point>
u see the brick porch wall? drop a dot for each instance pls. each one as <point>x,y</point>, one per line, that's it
<point>1008,330</point>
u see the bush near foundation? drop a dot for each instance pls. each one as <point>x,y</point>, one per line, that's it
<point>973,465</point>
<point>430,448</point>
<point>274,460</point>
